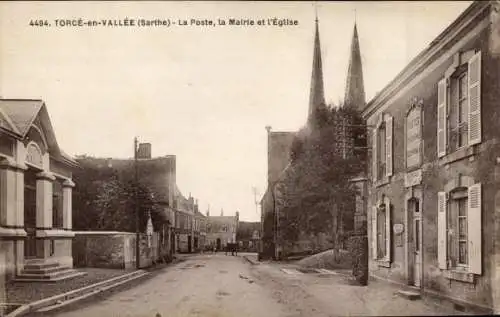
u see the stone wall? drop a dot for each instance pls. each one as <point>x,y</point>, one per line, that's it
<point>104,249</point>
<point>117,250</point>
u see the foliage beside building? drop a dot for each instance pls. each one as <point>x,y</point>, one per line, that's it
<point>105,197</point>
<point>314,197</point>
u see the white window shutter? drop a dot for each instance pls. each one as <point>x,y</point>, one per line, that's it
<point>388,145</point>
<point>387,203</point>
<point>474,77</point>
<point>374,233</point>
<point>374,154</point>
<point>442,230</point>
<point>474,229</point>
<point>441,118</point>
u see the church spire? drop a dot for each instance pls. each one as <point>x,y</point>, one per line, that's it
<point>317,92</point>
<point>354,88</point>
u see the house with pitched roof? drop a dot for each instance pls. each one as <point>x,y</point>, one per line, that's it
<point>35,194</point>
<point>221,230</point>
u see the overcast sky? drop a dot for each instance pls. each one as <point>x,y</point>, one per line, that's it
<point>204,94</point>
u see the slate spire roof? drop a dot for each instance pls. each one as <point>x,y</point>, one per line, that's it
<point>354,89</point>
<point>317,92</point>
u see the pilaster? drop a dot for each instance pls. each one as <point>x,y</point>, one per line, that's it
<point>67,204</point>
<point>11,200</point>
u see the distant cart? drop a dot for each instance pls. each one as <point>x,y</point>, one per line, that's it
<point>232,247</point>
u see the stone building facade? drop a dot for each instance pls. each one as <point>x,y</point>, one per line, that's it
<point>433,219</point>
<point>200,230</point>
<point>185,211</point>
<point>221,230</point>
<point>278,158</point>
<point>35,191</point>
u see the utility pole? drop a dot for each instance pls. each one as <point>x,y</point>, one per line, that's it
<point>254,189</point>
<point>136,205</point>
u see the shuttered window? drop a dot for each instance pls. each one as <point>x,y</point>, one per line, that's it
<point>374,233</point>
<point>442,230</point>
<point>459,107</point>
<point>381,236</point>
<point>381,148</point>
<point>474,96</point>
<point>381,231</point>
<point>388,145</point>
<point>441,118</point>
<point>474,228</point>
<point>460,229</point>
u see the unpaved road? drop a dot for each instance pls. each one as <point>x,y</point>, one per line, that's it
<point>229,286</point>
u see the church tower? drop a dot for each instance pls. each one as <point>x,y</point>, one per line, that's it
<point>354,88</point>
<point>317,91</point>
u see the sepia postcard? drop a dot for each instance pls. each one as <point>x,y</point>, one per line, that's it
<point>253,159</point>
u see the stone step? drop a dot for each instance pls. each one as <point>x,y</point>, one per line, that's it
<point>46,270</point>
<point>48,275</point>
<point>409,294</point>
<point>50,278</point>
<point>39,265</point>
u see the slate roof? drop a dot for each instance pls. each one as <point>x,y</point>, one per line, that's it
<point>17,116</point>
<point>22,112</point>
<point>199,214</point>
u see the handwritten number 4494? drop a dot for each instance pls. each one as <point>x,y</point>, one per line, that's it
<point>39,23</point>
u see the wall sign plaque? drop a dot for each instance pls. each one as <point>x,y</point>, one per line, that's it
<point>413,178</point>
<point>398,228</point>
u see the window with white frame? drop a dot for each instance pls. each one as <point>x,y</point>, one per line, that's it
<point>459,229</point>
<point>382,148</point>
<point>381,230</point>
<point>459,104</point>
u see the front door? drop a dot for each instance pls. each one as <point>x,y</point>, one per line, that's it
<point>30,214</point>
<point>416,240</point>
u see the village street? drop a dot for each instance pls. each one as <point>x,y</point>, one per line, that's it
<point>225,286</point>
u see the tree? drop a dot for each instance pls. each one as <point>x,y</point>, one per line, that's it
<point>105,199</point>
<point>315,193</point>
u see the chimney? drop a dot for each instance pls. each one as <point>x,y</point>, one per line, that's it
<point>144,151</point>
<point>170,161</point>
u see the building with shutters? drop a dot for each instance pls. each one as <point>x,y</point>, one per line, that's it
<point>434,216</point>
